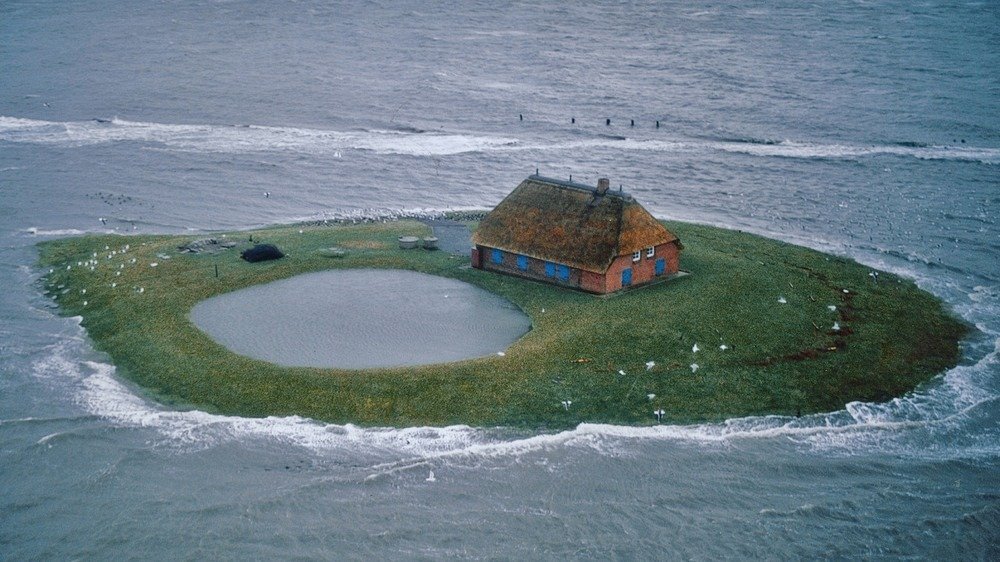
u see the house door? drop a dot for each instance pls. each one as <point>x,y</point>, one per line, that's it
<point>627,277</point>
<point>661,266</point>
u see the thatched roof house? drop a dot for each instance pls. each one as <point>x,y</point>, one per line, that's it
<point>597,240</point>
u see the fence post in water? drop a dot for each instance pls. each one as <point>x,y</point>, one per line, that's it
<point>607,121</point>
<point>657,124</point>
<point>632,123</point>
<point>216,271</point>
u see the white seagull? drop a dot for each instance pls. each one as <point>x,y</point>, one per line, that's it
<point>695,348</point>
<point>694,367</point>
<point>782,300</point>
<point>650,365</point>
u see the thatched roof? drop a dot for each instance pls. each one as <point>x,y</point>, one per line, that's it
<point>570,223</point>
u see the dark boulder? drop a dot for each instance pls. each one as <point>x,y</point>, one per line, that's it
<point>262,252</point>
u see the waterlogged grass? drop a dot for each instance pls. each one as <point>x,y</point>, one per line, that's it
<point>595,359</point>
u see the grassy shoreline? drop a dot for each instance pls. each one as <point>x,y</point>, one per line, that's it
<point>779,358</point>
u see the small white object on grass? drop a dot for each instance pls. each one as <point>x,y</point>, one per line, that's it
<point>567,403</point>
<point>650,365</point>
<point>84,303</point>
<point>836,326</point>
<point>831,307</point>
<point>154,264</point>
<point>695,349</point>
<point>694,367</point>
<point>658,414</point>
<point>723,347</point>
<point>300,231</point>
<point>650,396</point>
<point>621,372</point>
<point>846,291</point>
<point>501,354</point>
<point>782,300</point>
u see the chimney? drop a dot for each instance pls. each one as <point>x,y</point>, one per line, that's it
<point>602,186</point>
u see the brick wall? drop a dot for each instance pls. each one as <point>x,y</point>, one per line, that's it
<point>643,270</point>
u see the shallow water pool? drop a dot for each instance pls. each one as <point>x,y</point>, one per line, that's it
<point>362,319</point>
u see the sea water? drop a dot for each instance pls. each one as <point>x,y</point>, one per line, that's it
<point>866,129</point>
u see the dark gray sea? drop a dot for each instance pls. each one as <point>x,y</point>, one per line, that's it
<point>869,129</point>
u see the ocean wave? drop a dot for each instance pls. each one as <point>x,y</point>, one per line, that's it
<point>35,231</point>
<point>861,427</point>
<point>244,138</point>
<point>409,141</point>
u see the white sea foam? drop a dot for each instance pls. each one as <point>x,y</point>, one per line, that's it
<point>860,427</point>
<point>240,139</point>
<point>35,231</point>
<point>257,138</point>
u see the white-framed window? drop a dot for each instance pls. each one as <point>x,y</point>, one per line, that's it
<point>636,256</point>
<point>650,252</point>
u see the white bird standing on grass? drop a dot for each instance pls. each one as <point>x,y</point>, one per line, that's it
<point>694,367</point>
<point>695,349</point>
<point>650,365</point>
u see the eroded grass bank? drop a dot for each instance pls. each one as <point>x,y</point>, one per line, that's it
<point>840,335</point>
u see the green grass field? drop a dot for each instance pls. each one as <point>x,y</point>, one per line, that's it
<point>780,358</point>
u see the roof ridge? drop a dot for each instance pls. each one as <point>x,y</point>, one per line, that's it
<point>577,185</point>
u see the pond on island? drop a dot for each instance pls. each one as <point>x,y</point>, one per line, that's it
<point>362,319</point>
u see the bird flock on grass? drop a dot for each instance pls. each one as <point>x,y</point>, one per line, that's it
<point>695,348</point>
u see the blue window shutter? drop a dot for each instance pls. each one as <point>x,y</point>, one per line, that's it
<point>564,272</point>
<point>497,256</point>
<point>522,263</point>
<point>627,277</point>
<point>550,269</point>
<point>661,266</point>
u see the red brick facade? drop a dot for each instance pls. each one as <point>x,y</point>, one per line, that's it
<point>643,270</point>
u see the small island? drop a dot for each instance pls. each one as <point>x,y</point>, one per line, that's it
<point>756,327</point>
